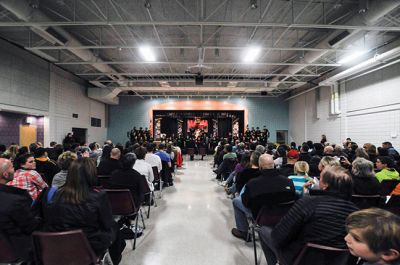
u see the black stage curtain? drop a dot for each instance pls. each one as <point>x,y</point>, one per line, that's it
<point>224,127</point>
<point>169,126</point>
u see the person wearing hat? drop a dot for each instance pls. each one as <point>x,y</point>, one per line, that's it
<point>288,168</point>
<point>45,166</point>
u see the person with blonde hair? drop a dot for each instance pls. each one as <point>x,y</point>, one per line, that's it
<point>301,169</point>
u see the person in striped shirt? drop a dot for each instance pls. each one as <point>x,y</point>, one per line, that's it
<point>301,169</point>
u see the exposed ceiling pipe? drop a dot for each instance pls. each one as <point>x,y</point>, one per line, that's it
<point>377,9</point>
<point>57,35</point>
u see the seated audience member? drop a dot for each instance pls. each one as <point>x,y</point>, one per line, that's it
<point>77,205</point>
<point>51,153</point>
<point>301,169</point>
<point>364,180</point>
<point>231,182</point>
<point>372,153</point>
<point>16,219</point>
<point>390,149</point>
<point>45,166</point>
<point>311,219</point>
<point>288,168</point>
<point>229,154</point>
<point>64,161</point>
<point>107,166</point>
<point>304,155</point>
<point>360,152</point>
<point>129,178</point>
<point>373,235</point>
<point>248,173</point>
<point>268,189</point>
<point>260,148</point>
<point>280,156</point>
<point>143,167</point>
<point>327,161</point>
<point>11,152</point>
<point>26,177</point>
<point>163,155</point>
<point>387,172</point>
<point>151,158</point>
<point>95,152</point>
<point>329,150</point>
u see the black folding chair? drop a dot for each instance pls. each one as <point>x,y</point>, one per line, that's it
<point>122,204</point>
<point>63,248</point>
<point>319,254</point>
<point>267,216</point>
<point>366,201</point>
<point>158,182</point>
<point>149,194</point>
<point>103,180</point>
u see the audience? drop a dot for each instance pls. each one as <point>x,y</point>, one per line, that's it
<point>248,173</point>
<point>317,219</point>
<point>373,235</point>
<point>26,177</point>
<point>45,166</point>
<point>17,221</point>
<point>107,166</point>
<point>288,168</point>
<point>64,161</point>
<point>387,172</point>
<point>301,170</point>
<point>153,159</point>
<point>143,167</point>
<point>364,180</point>
<point>77,205</point>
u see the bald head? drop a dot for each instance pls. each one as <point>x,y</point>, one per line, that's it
<point>115,153</point>
<point>6,170</point>
<point>328,150</point>
<point>266,162</point>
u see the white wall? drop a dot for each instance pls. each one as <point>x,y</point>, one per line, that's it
<point>370,108</point>
<point>68,96</point>
<point>31,85</point>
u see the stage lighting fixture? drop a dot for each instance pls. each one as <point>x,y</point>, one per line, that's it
<point>253,4</point>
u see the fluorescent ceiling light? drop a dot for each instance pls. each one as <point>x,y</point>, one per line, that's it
<point>164,84</point>
<point>352,56</point>
<point>251,54</point>
<point>232,84</point>
<point>147,54</point>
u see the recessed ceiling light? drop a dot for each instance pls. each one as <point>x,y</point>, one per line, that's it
<point>147,54</point>
<point>251,54</point>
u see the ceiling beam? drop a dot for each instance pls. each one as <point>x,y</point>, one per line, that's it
<point>195,23</point>
<point>194,63</point>
<point>144,80</point>
<point>155,75</point>
<point>183,47</point>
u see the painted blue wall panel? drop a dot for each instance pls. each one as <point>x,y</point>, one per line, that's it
<point>134,111</point>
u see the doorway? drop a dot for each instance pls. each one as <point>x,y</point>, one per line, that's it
<point>282,136</point>
<point>27,135</point>
<point>80,135</point>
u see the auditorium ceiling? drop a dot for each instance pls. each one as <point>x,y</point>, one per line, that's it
<point>201,47</point>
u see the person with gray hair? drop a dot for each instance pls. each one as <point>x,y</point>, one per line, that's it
<point>260,148</point>
<point>364,180</point>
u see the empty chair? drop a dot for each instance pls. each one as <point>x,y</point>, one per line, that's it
<point>148,195</point>
<point>63,248</point>
<point>366,201</point>
<point>322,255</point>
<point>122,204</point>
<point>387,186</point>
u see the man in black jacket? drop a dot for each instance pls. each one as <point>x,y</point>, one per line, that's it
<point>313,219</point>
<point>268,189</point>
<point>16,219</point>
<point>45,166</point>
<point>107,166</point>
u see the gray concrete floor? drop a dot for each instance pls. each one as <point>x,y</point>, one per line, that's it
<point>191,225</point>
